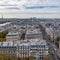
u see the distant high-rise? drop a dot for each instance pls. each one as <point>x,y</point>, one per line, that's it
<point>2,17</point>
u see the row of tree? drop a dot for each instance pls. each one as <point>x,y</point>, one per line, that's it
<point>3,36</point>
<point>57,41</point>
<point>7,57</point>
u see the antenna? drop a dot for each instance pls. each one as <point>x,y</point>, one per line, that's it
<point>2,16</point>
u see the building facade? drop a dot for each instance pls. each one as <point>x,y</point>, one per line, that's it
<point>33,34</point>
<point>13,36</point>
<point>36,48</point>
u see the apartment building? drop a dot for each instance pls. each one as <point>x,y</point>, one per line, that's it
<point>39,49</point>
<point>25,48</point>
<point>7,48</point>
<point>33,33</point>
<point>13,36</point>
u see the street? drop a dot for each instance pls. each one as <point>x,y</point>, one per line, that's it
<point>52,48</point>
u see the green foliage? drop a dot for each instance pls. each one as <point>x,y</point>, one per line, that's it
<point>57,41</point>
<point>31,58</point>
<point>7,57</point>
<point>2,39</point>
<point>58,38</point>
<point>3,34</point>
<point>4,57</point>
<point>22,58</point>
<point>13,58</point>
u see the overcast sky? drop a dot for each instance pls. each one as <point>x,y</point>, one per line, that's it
<point>30,8</point>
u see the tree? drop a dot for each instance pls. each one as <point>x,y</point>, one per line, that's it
<point>31,58</point>
<point>4,57</point>
<point>13,58</point>
<point>3,35</point>
<point>57,41</point>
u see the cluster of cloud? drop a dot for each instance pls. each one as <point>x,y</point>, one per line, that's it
<point>9,4</point>
<point>35,4</point>
<point>29,6</point>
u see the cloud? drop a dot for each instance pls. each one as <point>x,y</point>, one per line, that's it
<point>9,5</point>
<point>38,4</point>
<point>13,8</point>
<point>29,6</point>
<point>41,7</point>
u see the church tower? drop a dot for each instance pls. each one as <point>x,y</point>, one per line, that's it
<point>2,17</point>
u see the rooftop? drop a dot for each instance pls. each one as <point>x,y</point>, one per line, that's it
<point>5,24</point>
<point>33,31</point>
<point>13,34</point>
<point>25,42</point>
